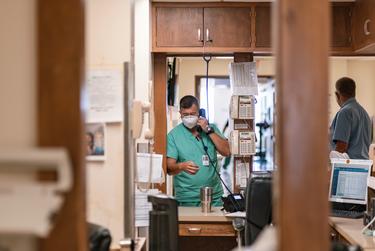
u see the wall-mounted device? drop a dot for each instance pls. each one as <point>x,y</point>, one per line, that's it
<point>28,202</point>
<point>242,142</point>
<point>139,108</point>
<point>242,107</point>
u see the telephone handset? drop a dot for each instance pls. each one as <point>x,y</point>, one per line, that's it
<point>242,107</point>
<point>242,143</point>
<point>202,113</point>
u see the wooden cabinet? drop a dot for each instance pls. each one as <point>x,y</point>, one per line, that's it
<point>198,27</point>
<point>179,27</point>
<point>230,27</point>
<point>206,229</point>
<point>227,27</point>
<point>364,26</point>
<point>263,26</point>
<point>341,37</point>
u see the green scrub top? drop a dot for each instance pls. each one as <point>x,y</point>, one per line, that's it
<point>183,146</point>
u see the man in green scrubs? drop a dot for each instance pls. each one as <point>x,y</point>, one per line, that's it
<point>186,157</point>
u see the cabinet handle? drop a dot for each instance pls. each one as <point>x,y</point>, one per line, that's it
<point>194,230</point>
<point>366,27</point>
<point>199,35</point>
<point>208,39</point>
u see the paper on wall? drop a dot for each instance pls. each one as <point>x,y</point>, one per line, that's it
<point>143,207</point>
<point>105,96</point>
<point>243,78</point>
<point>144,165</point>
<point>242,173</point>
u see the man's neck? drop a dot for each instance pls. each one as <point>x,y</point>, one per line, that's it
<point>344,100</point>
<point>194,131</point>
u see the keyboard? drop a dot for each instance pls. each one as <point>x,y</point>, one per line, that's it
<point>346,214</point>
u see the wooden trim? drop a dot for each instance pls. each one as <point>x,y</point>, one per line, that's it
<point>202,4</point>
<point>160,108</point>
<point>60,79</point>
<point>153,26</point>
<point>302,108</point>
<point>238,58</point>
<point>200,50</point>
<point>243,57</point>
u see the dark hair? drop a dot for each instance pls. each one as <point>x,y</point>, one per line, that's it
<point>188,101</point>
<point>346,87</point>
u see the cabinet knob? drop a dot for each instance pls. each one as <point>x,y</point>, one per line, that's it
<point>366,27</point>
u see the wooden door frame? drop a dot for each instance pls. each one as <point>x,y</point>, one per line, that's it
<point>160,100</point>
<point>302,107</point>
<point>61,72</point>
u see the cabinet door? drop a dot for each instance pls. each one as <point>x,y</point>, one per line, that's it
<point>341,27</point>
<point>364,23</point>
<point>263,26</point>
<point>179,27</point>
<point>227,27</point>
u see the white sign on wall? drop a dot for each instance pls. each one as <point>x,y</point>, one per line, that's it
<point>105,96</point>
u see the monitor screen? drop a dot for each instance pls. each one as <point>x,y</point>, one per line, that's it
<point>349,183</point>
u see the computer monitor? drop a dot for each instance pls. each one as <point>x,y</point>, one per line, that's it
<point>163,229</point>
<point>258,205</point>
<point>349,181</point>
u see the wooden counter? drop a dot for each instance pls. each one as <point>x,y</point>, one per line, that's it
<point>200,231</point>
<point>349,230</point>
<point>187,214</point>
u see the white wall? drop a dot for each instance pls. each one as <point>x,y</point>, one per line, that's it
<point>142,54</point>
<point>108,47</point>
<point>18,88</point>
<point>363,72</point>
<point>338,69</point>
<point>18,73</point>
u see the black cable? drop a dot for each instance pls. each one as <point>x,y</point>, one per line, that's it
<point>205,148</point>
<point>207,59</point>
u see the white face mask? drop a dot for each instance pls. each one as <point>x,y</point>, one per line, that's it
<point>190,121</point>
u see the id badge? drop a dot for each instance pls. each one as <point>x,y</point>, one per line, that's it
<point>205,160</point>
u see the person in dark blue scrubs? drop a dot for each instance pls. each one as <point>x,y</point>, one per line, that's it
<point>351,127</point>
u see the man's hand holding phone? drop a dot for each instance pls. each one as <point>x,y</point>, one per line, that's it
<point>189,166</point>
<point>203,123</point>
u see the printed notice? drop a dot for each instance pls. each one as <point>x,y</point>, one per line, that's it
<point>105,96</point>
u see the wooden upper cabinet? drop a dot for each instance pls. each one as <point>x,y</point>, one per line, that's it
<point>227,27</point>
<point>263,26</point>
<point>341,36</point>
<point>364,25</point>
<point>178,27</point>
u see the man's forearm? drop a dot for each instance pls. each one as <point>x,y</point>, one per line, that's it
<point>173,168</point>
<point>221,144</point>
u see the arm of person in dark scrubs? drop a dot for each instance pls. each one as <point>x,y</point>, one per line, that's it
<point>341,134</point>
<point>174,168</point>
<point>341,146</point>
